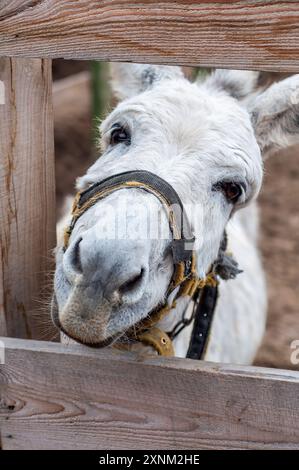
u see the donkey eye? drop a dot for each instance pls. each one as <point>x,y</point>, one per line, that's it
<point>231,190</point>
<point>119,135</point>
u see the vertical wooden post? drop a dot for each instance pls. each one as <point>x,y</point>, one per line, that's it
<point>27,200</point>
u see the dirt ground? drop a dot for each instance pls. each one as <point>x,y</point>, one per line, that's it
<point>279,202</point>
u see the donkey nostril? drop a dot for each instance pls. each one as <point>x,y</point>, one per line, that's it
<point>132,284</point>
<point>75,256</point>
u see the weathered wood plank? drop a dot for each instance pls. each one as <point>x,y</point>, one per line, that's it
<point>55,396</point>
<point>238,34</point>
<point>27,204</point>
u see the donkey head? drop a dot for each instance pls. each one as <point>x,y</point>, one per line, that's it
<point>205,139</point>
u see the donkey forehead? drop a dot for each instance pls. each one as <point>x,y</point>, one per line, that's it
<point>177,119</point>
<point>180,108</point>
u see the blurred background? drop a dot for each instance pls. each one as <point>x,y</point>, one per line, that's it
<point>82,97</point>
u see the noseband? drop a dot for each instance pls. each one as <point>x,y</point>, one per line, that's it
<point>185,280</point>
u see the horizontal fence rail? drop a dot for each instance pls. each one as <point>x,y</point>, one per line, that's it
<point>238,34</point>
<point>72,397</point>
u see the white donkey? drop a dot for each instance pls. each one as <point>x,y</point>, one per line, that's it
<point>207,140</point>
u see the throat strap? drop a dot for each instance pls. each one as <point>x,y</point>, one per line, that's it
<point>202,322</point>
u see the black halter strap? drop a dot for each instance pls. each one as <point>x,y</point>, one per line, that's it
<point>203,318</point>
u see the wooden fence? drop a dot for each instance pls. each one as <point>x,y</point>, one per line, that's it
<point>52,396</point>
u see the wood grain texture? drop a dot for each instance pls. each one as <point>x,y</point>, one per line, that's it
<point>72,397</point>
<point>238,34</point>
<point>27,205</point>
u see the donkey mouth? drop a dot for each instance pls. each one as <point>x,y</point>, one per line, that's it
<point>97,344</point>
<point>121,338</point>
<point>94,344</point>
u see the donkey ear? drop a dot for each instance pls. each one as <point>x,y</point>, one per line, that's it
<point>275,116</point>
<point>237,83</point>
<point>131,79</point>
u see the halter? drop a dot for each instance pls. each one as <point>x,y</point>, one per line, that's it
<point>185,279</point>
